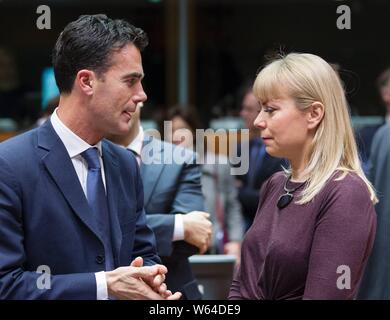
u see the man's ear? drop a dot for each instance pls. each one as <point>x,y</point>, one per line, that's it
<point>84,81</point>
<point>315,114</point>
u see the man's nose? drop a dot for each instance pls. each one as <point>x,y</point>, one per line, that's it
<point>140,96</point>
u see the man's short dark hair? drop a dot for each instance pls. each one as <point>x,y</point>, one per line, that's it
<point>88,42</point>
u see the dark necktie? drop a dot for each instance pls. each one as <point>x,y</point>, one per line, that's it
<point>136,155</point>
<point>97,200</point>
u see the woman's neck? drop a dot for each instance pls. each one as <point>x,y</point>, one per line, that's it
<point>297,170</point>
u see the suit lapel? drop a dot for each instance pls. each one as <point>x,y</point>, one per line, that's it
<point>112,174</point>
<point>151,173</point>
<point>61,169</point>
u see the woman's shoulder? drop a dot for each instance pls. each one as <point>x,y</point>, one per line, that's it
<point>347,188</point>
<point>348,182</point>
<point>274,181</point>
<point>276,178</point>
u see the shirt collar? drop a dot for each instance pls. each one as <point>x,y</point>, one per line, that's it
<point>136,144</point>
<point>72,142</point>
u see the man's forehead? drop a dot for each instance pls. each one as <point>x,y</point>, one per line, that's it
<point>128,62</point>
<point>129,50</point>
<point>135,74</point>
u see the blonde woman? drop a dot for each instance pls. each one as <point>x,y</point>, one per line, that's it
<point>315,224</point>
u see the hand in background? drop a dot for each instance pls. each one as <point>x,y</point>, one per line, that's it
<point>198,229</point>
<point>234,248</point>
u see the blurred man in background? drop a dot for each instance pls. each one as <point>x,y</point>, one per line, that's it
<point>261,164</point>
<point>173,203</point>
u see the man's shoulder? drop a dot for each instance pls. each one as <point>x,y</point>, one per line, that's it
<point>18,145</point>
<point>166,151</point>
<point>118,152</point>
<point>165,145</point>
<point>382,132</point>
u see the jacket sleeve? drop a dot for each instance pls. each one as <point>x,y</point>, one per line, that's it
<point>145,241</point>
<point>188,197</point>
<point>233,215</point>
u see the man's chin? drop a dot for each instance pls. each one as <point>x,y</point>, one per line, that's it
<point>120,131</point>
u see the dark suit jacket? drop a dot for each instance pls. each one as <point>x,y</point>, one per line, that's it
<point>46,220</point>
<point>376,281</point>
<point>170,188</point>
<point>249,195</point>
<point>364,138</point>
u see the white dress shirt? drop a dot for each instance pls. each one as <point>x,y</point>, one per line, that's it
<point>136,147</point>
<point>75,146</point>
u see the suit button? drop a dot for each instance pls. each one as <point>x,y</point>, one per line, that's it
<point>100,258</point>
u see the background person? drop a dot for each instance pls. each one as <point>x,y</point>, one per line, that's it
<point>261,164</point>
<point>366,135</point>
<point>218,185</point>
<point>375,284</point>
<point>173,204</point>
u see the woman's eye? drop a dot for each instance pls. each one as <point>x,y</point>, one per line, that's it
<point>269,109</point>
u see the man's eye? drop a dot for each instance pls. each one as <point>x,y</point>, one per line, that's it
<point>131,82</point>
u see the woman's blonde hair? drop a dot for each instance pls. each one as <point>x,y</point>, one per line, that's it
<point>308,78</point>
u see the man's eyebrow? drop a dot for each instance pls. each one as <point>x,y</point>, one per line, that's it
<point>133,75</point>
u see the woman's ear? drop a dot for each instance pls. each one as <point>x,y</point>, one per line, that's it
<point>315,114</point>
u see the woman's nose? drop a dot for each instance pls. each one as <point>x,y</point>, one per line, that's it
<point>260,122</point>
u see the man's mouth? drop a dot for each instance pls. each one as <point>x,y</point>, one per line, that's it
<point>128,113</point>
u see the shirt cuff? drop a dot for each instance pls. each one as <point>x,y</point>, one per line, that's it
<point>178,230</point>
<point>101,286</point>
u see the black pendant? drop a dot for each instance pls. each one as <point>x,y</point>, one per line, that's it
<point>284,200</point>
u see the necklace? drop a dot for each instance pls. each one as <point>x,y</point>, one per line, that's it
<point>285,199</point>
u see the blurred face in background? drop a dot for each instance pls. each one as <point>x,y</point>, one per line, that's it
<point>181,133</point>
<point>385,94</point>
<point>249,110</point>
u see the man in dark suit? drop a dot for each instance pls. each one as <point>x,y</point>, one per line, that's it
<point>375,284</point>
<point>365,135</point>
<point>261,164</point>
<point>173,203</point>
<point>70,203</point>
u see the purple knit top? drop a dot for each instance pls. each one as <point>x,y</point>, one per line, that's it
<point>312,251</point>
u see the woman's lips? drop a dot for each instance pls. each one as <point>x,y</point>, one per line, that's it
<point>266,139</point>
